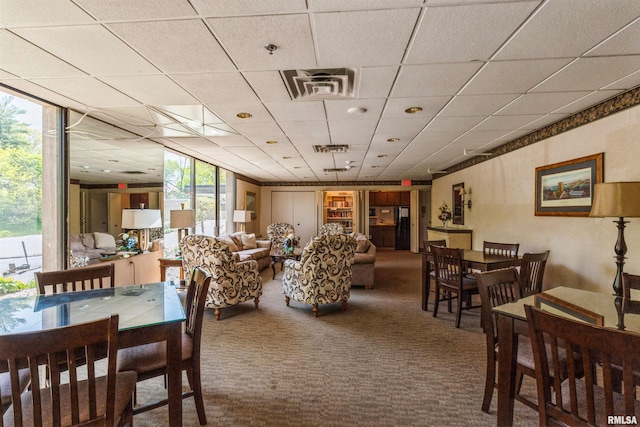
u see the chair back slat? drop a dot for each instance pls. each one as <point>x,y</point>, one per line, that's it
<point>630,281</point>
<point>590,352</point>
<point>448,265</point>
<point>505,249</point>
<point>76,279</point>
<point>532,272</point>
<point>496,287</point>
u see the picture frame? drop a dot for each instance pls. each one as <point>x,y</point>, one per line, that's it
<point>251,204</point>
<point>566,188</point>
<point>458,204</point>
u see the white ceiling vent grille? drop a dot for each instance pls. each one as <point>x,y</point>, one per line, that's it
<point>335,169</point>
<point>337,148</point>
<point>324,83</point>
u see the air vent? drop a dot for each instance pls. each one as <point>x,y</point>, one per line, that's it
<point>324,83</point>
<point>134,172</point>
<point>331,148</point>
<point>335,169</point>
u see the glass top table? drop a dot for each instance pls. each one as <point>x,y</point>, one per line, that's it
<point>148,313</point>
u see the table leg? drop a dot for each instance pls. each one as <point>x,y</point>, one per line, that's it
<point>163,272</point>
<point>174,373</point>
<point>508,343</point>
<point>273,267</point>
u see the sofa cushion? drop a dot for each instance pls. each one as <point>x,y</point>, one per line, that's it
<point>248,241</point>
<point>88,241</point>
<point>363,244</point>
<point>255,254</point>
<point>364,258</point>
<point>104,240</point>
<point>230,242</point>
<point>237,239</point>
<point>75,243</point>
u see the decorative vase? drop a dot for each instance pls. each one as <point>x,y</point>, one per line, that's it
<point>445,223</point>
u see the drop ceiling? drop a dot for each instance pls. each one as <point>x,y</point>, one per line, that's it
<point>177,72</point>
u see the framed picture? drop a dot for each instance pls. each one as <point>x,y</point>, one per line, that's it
<point>251,204</point>
<point>458,205</point>
<point>566,188</point>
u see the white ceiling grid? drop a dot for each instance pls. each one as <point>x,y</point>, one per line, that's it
<point>484,72</point>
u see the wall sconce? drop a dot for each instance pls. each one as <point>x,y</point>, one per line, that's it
<point>463,193</point>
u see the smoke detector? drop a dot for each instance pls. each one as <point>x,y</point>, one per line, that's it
<point>323,83</point>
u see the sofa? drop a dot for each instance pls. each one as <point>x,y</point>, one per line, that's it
<point>246,246</point>
<point>91,245</point>
<point>364,262</point>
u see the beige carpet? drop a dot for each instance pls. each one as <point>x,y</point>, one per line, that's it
<point>383,362</point>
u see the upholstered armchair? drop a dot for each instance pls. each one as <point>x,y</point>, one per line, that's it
<point>331,228</point>
<point>232,281</point>
<point>323,273</point>
<point>276,232</point>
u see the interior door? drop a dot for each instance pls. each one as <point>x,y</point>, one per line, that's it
<point>98,213</point>
<point>297,208</point>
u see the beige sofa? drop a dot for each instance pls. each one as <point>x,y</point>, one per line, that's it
<point>364,264</point>
<point>91,245</point>
<point>245,246</point>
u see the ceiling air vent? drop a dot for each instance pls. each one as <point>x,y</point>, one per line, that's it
<point>323,83</point>
<point>337,148</point>
<point>134,172</point>
<point>335,169</point>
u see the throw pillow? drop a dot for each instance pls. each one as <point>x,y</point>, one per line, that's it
<point>104,240</point>
<point>236,237</point>
<point>229,241</point>
<point>363,244</point>
<point>249,241</point>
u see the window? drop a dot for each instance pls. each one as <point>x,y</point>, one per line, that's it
<point>177,193</point>
<point>206,209</point>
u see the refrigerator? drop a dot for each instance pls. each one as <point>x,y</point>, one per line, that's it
<point>403,228</point>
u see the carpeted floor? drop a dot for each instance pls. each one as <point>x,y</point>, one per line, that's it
<point>383,362</point>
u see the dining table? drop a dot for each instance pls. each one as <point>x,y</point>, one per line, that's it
<point>148,313</point>
<point>607,310</point>
<point>471,260</point>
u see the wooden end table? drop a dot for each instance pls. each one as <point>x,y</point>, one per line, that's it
<point>281,258</point>
<point>170,262</point>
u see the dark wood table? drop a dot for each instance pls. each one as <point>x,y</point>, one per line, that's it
<point>474,260</point>
<point>512,321</point>
<point>281,258</point>
<point>148,313</point>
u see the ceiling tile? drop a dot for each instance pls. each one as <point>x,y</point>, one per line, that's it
<point>395,108</point>
<point>236,7</point>
<point>228,113</point>
<point>540,103</point>
<point>297,111</point>
<point>339,110</point>
<point>476,105</point>
<point>217,88</point>
<point>22,13</point>
<point>86,90</point>
<point>624,42</point>
<point>505,123</point>
<point>377,37</point>
<point>331,5</point>
<point>459,33</point>
<point>268,85</point>
<point>109,10</point>
<point>433,80</point>
<point>151,90</point>
<point>376,82</point>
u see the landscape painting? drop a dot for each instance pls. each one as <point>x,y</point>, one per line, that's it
<point>566,189</point>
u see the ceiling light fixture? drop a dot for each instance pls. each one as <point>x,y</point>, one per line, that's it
<point>413,110</point>
<point>244,115</point>
<point>382,156</point>
<point>271,48</point>
<point>286,157</point>
<point>272,142</point>
<point>432,171</point>
<point>471,153</point>
<point>393,139</point>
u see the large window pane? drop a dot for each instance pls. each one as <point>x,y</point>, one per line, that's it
<point>206,199</point>
<point>227,197</point>
<point>177,194</point>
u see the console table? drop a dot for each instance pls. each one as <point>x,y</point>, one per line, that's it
<point>455,237</point>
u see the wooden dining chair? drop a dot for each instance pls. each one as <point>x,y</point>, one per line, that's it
<point>150,361</point>
<point>505,249</point>
<point>582,399</point>
<point>432,268</point>
<point>76,279</point>
<point>69,400</point>
<point>499,287</point>
<point>630,281</point>
<point>532,273</point>
<point>451,280</point>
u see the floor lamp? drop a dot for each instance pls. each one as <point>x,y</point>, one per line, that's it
<point>617,199</point>
<point>242,217</point>
<point>141,220</point>
<point>183,220</point>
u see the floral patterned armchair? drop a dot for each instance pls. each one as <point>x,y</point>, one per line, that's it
<point>232,281</point>
<point>331,228</point>
<point>276,232</point>
<point>323,273</point>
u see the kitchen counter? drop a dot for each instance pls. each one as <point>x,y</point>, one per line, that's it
<point>382,225</point>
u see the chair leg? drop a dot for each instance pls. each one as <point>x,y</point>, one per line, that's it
<point>459,313</point>
<point>256,301</point>
<point>436,303</point>
<point>217,312</point>
<point>449,306</point>
<point>286,300</point>
<point>489,382</point>
<point>315,310</point>
<point>344,305</point>
<point>196,386</point>
<point>427,292</point>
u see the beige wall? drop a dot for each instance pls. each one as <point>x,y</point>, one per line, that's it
<point>241,188</point>
<point>502,194</point>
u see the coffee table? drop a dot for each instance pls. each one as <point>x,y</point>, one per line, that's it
<point>281,258</point>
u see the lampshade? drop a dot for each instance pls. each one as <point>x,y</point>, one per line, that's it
<point>242,216</point>
<point>616,199</point>
<point>141,218</point>
<point>185,218</point>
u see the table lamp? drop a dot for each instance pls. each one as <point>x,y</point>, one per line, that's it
<point>617,199</point>
<point>183,220</point>
<point>242,217</point>
<point>141,220</point>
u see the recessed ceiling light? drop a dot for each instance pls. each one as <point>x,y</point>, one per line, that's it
<point>114,160</point>
<point>272,142</point>
<point>413,110</point>
<point>393,139</point>
<point>106,170</point>
<point>382,156</point>
<point>375,166</point>
<point>286,157</point>
<point>244,115</point>
<point>296,167</point>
